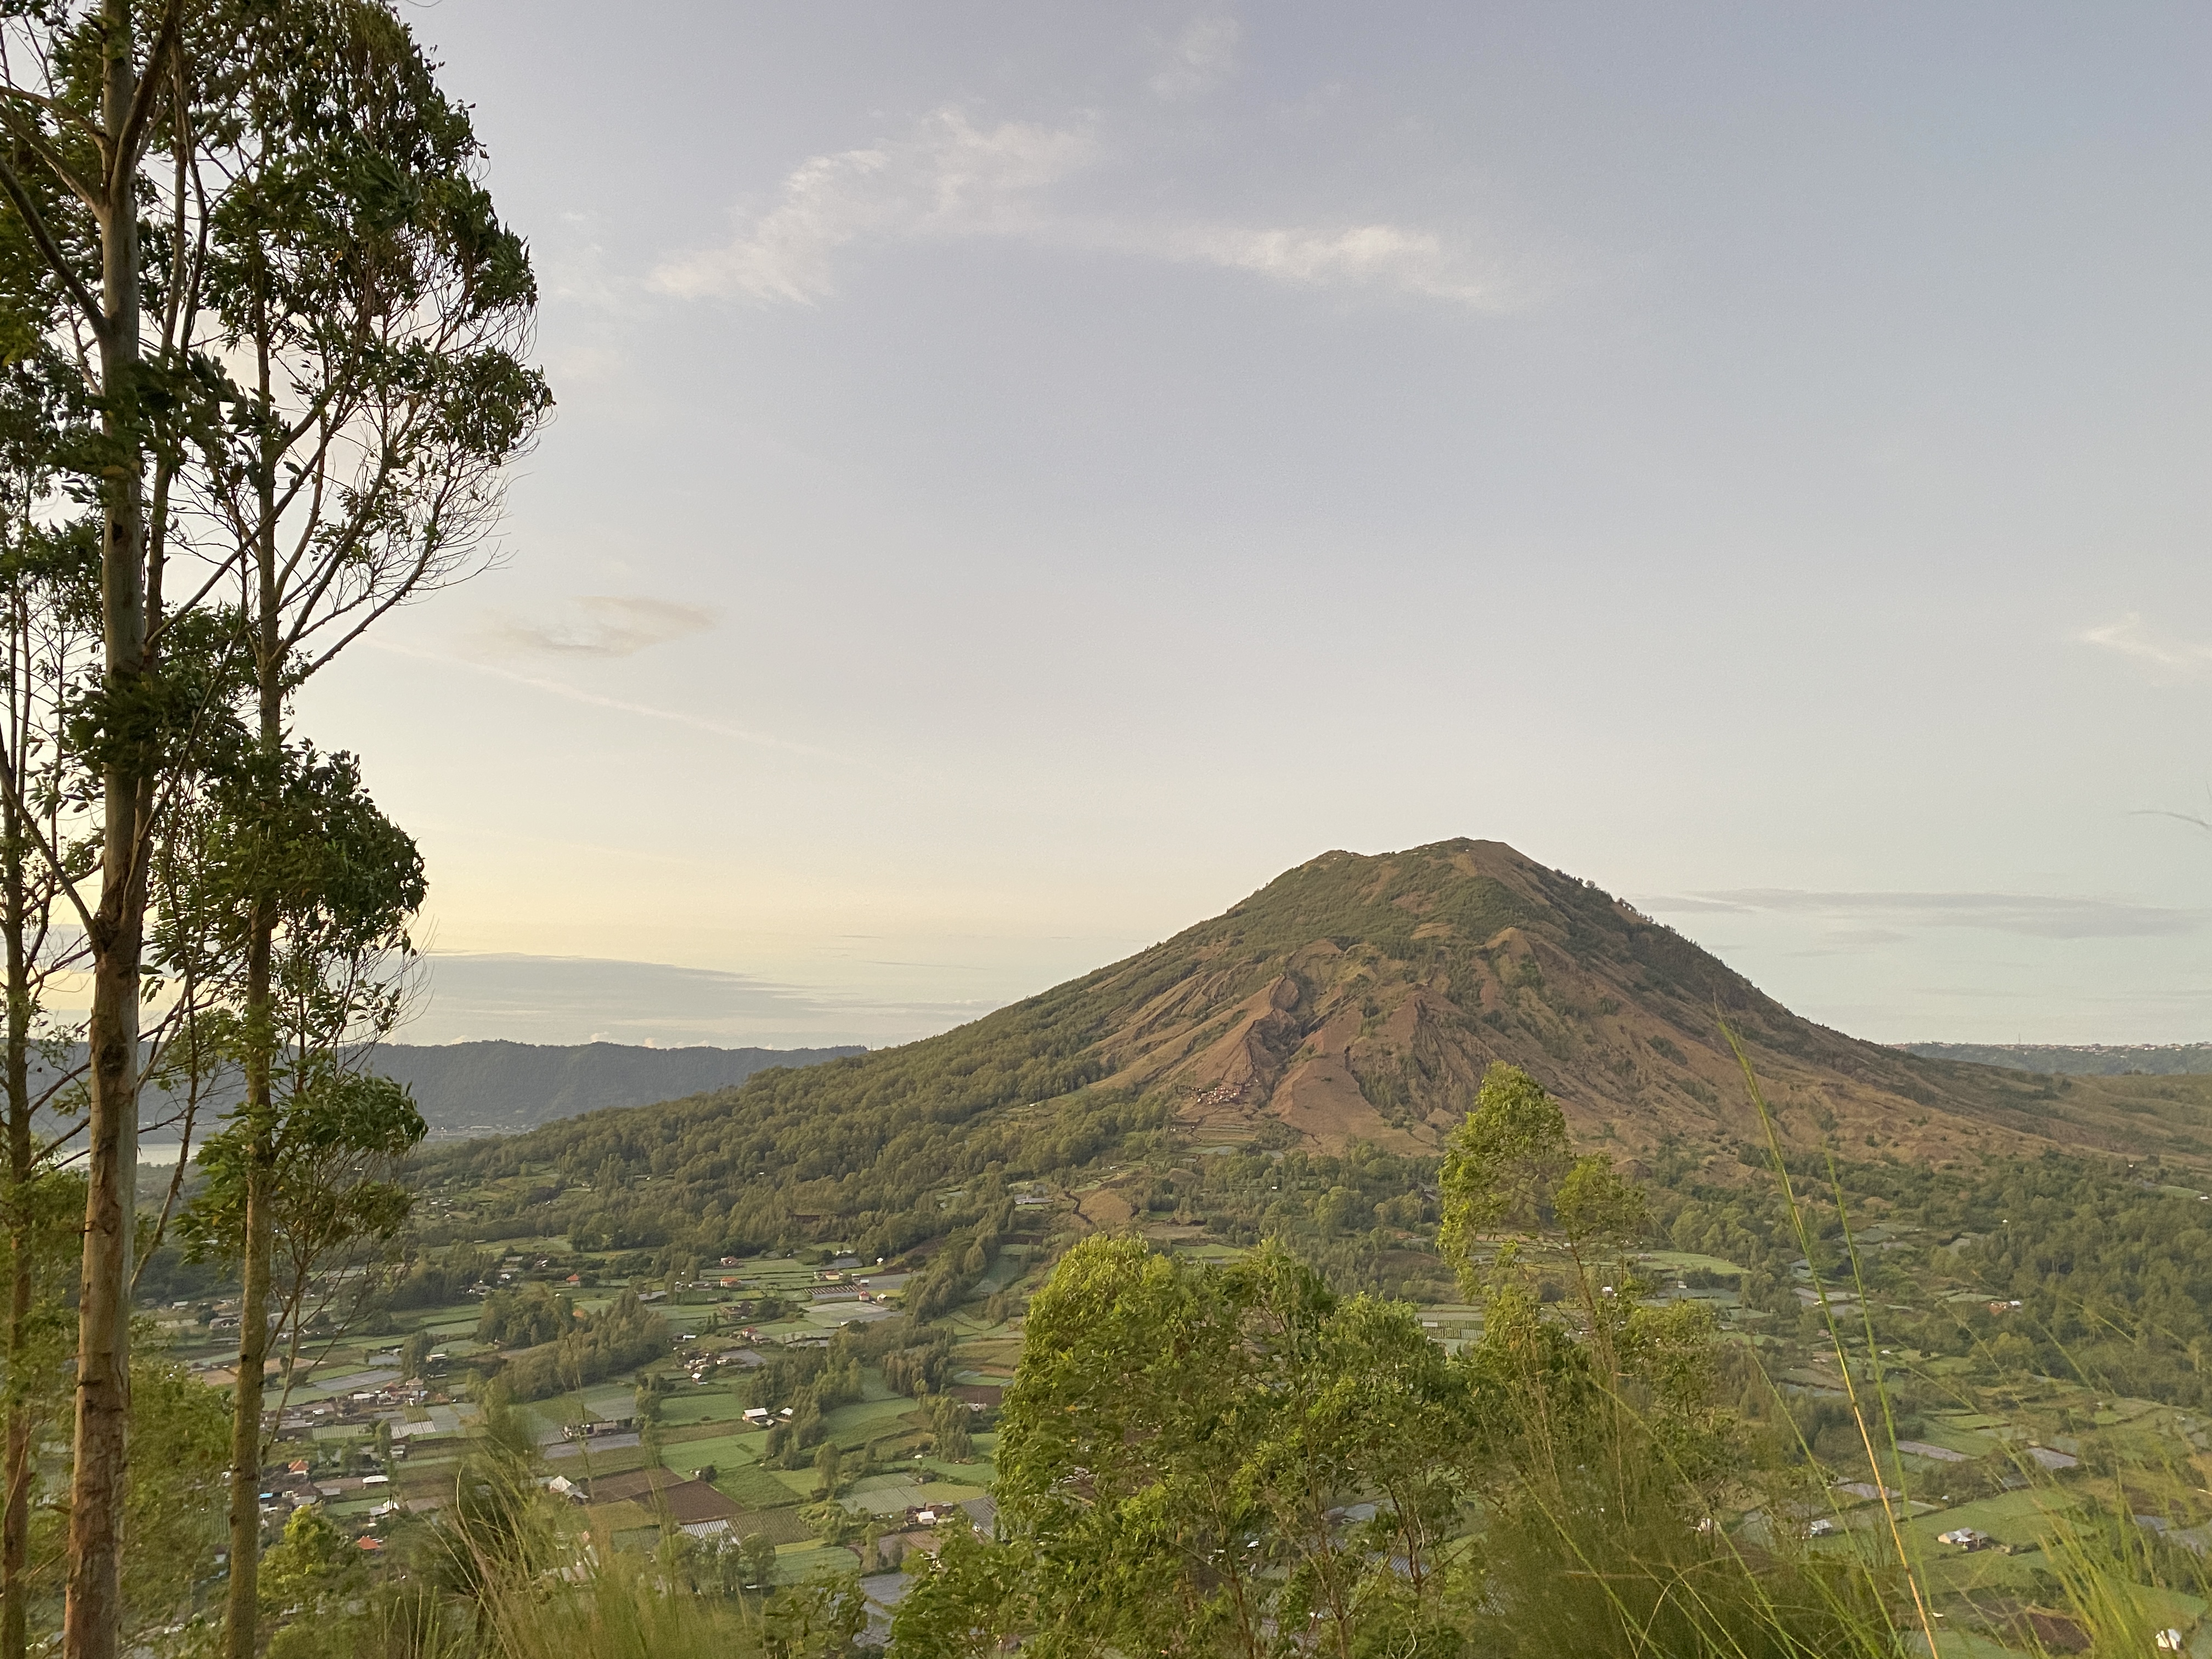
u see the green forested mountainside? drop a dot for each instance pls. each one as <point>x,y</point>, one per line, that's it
<point>2082,1059</point>
<point>1354,1001</point>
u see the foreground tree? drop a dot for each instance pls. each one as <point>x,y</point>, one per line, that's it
<point>356,263</point>
<point>303,1176</point>
<point>318,220</point>
<point>1201,1462</point>
<point>1176,1457</point>
<point>83,92</point>
<point>49,636</point>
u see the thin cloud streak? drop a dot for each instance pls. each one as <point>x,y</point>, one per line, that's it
<point>602,625</point>
<point>1383,256</point>
<point>2033,916</point>
<point>949,179</point>
<point>2130,637</point>
<point>576,693</point>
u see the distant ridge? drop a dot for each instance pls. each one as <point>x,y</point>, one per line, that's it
<point>496,1088</point>
<point>503,1088</point>
<point>2078,1060</point>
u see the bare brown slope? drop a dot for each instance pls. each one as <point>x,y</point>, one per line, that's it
<point>1363,997</point>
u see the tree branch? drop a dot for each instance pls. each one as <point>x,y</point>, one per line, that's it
<point>56,107</point>
<point>52,157</point>
<point>19,198</point>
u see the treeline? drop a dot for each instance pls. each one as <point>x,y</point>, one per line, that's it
<point>2112,1264</point>
<point>525,1317</point>
<point>588,1350</point>
<point>426,1282</point>
<point>856,1150</point>
<point>2114,1274</point>
<point>964,1256</point>
<point>1364,1219</point>
<point>810,1383</point>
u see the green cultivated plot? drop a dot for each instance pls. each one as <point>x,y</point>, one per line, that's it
<point>723,1452</point>
<point>547,1418</point>
<point>605,1404</point>
<point>1963,1441</point>
<point>1684,1262</point>
<point>852,1426</point>
<point>758,1488</point>
<point>778,1526</point>
<point>887,1494</point>
<point>617,1460</point>
<point>1208,1251</point>
<point>796,1563</point>
<point>692,1404</point>
<point>2015,1517</point>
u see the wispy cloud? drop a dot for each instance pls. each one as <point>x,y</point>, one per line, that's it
<point>1197,58</point>
<point>1879,913</point>
<point>948,178</point>
<point>2132,637</point>
<point>620,705</point>
<point>1384,256</point>
<point>598,625</point>
<point>951,180</point>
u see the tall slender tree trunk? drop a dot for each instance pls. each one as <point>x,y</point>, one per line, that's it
<point>242,1611</point>
<point>16,1451</point>
<point>93,1619</point>
<point>241,1608</point>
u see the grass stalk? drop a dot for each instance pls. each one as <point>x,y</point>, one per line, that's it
<point>1805,1243</point>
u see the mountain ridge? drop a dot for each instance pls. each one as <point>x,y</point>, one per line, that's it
<point>494,1087</point>
<point>1354,1002</point>
<point>462,1087</point>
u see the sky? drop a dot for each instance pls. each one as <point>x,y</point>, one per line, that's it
<point>1025,474</point>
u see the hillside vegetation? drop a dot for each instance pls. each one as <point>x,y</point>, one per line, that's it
<point>2079,1060</point>
<point>1352,1000</point>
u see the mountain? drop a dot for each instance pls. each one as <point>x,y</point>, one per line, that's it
<point>2082,1059</point>
<point>469,1089</point>
<point>1362,998</point>
<point>1352,999</point>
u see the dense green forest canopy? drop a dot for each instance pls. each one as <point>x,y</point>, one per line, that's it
<point>829,1151</point>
